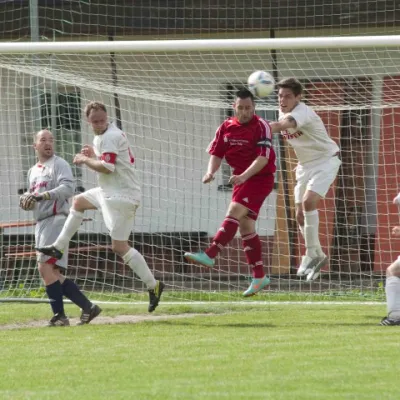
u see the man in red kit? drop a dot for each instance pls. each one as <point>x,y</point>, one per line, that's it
<point>245,142</point>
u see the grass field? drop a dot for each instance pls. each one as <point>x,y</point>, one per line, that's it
<point>271,351</point>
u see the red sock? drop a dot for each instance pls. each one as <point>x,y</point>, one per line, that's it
<point>224,235</point>
<point>252,249</point>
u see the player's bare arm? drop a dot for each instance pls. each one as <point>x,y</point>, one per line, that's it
<point>213,167</point>
<point>93,164</point>
<point>256,166</point>
<point>286,123</point>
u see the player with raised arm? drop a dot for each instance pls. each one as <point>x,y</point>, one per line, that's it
<point>51,184</point>
<point>245,142</point>
<point>392,287</point>
<point>318,165</point>
<point>118,196</point>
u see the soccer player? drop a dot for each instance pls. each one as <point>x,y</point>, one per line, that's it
<point>118,196</point>
<point>245,142</point>
<point>318,165</point>
<point>51,184</point>
<point>392,287</point>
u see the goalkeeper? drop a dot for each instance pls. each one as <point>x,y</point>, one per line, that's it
<point>51,184</point>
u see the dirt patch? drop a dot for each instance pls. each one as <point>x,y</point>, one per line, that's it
<point>103,320</point>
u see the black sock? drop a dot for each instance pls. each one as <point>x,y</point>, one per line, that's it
<point>71,290</point>
<point>55,294</point>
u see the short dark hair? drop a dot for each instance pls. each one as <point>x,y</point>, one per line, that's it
<point>291,83</point>
<point>244,93</point>
<point>94,105</point>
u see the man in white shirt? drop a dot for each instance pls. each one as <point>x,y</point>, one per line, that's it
<point>392,287</point>
<point>318,165</point>
<point>118,196</point>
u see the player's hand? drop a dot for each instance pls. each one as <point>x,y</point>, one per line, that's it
<point>27,201</point>
<point>80,159</point>
<point>237,179</point>
<point>88,151</point>
<point>207,178</point>
<point>396,231</point>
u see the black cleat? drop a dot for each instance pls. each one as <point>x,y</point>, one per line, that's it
<point>59,320</point>
<point>389,322</point>
<point>87,316</point>
<point>155,295</point>
<point>50,251</point>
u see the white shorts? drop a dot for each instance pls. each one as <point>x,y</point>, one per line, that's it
<point>118,212</point>
<point>316,176</point>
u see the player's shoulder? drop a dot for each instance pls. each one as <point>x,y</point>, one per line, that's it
<point>304,108</point>
<point>60,162</point>
<point>113,133</point>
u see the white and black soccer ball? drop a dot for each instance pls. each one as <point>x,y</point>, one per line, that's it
<point>261,83</point>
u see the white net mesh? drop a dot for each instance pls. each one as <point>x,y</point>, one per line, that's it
<point>170,104</point>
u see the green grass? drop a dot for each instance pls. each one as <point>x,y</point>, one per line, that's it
<point>231,296</point>
<point>233,352</point>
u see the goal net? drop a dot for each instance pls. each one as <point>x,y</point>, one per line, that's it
<point>169,97</point>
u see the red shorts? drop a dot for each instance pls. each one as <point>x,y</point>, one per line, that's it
<point>252,193</point>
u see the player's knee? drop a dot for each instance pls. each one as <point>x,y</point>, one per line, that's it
<point>394,269</point>
<point>79,203</point>
<point>120,248</point>
<point>237,211</point>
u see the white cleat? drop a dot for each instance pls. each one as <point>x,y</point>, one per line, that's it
<point>305,266</point>
<point>319,262</point>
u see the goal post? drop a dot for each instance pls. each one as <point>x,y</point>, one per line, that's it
<point>172,95</point>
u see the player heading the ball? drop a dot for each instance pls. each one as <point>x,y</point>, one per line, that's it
<point>245,142</point>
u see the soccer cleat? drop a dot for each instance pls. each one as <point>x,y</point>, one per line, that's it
<point>319,262</point>
<point>59,320</point>
<point>90,314</point>
<point>305,266</point>
<point>386,321</point>
<point>256,285</point>
<point>155,295</point>
<point>50,251</point>
<point>200,258</point>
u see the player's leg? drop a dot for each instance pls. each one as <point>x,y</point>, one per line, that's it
<point>302,176</point>
<point>253,251</point>
<point>88,200</point>
<point>46,271</point>
<point>392,290</point>
<point>225,234</point>
<point>54,293</point>
<point>119,217</point>
<point>319,179</point>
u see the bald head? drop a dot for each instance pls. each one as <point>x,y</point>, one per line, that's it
<point>44,145</point>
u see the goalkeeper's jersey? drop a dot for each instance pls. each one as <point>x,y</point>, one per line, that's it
<point>55,177</point>
<point>112,148</point>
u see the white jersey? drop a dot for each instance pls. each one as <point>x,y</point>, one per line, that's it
<point>309,139</point>
<point>112,148</point>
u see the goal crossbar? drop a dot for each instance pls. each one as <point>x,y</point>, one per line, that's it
<point>148,46</point>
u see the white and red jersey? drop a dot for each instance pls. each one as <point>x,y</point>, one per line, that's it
<point>241,144</point>
<point>112,148</point>
<point>310,139</point>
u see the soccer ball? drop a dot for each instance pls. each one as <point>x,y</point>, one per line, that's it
<point>261,83</point>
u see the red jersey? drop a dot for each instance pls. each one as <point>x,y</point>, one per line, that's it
<point>241,144</point>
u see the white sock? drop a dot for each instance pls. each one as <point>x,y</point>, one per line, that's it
<point>392,290</point>
<point>71,225</point>
<point>311,234</point>
<point>139,266</point>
